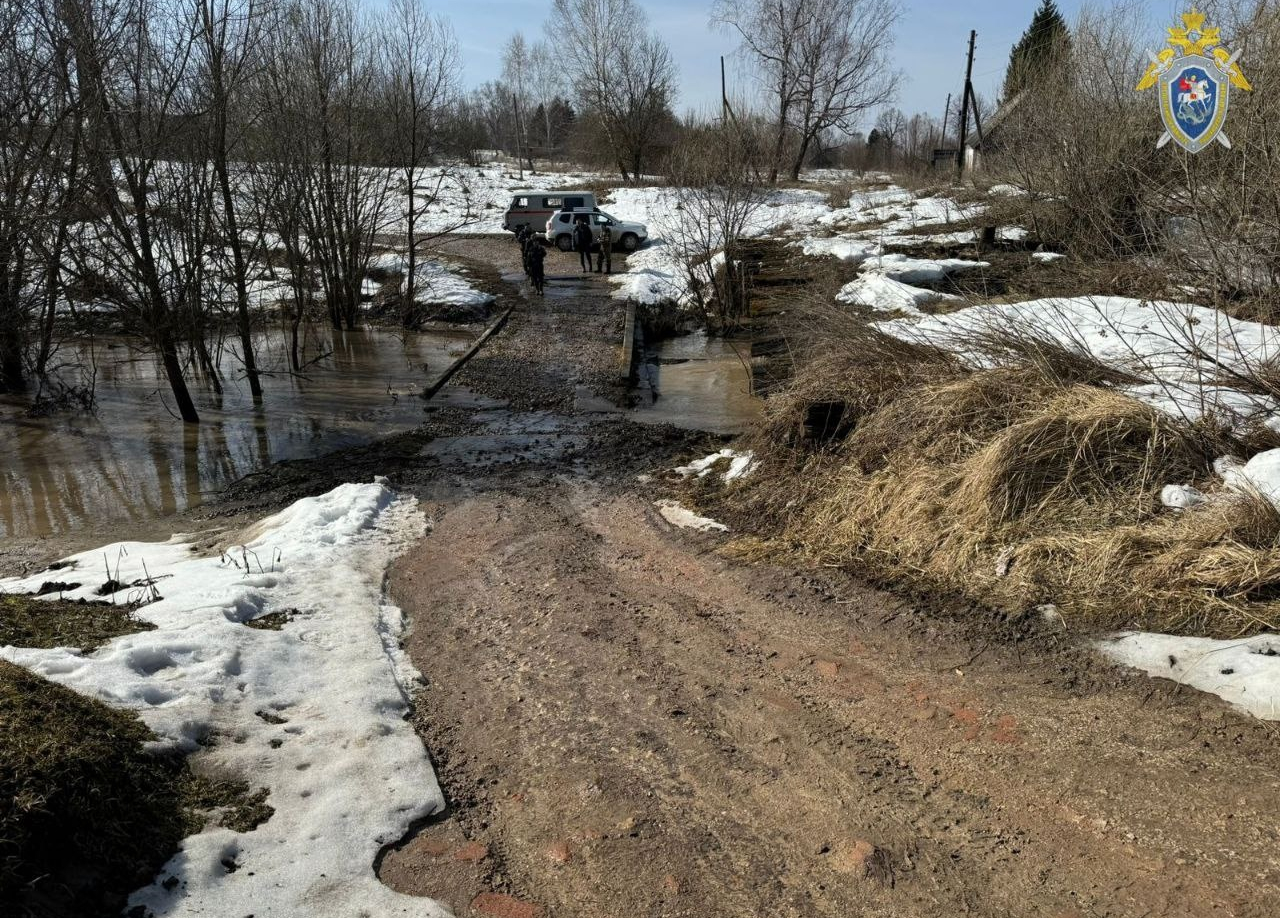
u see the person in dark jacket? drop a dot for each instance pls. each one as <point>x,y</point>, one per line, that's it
<point>537,272</point>
<point>605,261</point>
<point>526,247</point>
<point>582,243</point>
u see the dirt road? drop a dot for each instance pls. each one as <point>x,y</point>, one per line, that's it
<point>626,723</point>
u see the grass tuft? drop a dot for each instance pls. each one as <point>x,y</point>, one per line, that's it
<point>26,621</point>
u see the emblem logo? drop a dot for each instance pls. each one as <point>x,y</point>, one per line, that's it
<point>1194,76</point>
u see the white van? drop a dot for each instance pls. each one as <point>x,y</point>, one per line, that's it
<point>532,208</point>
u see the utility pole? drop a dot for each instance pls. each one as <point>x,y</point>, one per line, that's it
<point>964,116</point>
<point>942,143</point>
<point>724,94</point>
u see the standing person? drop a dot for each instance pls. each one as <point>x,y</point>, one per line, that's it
<point>582,242</point>
<point>537,272</point>
<point>526,241</point>
<point>605,261</point>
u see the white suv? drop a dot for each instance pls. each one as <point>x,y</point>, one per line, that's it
<point>627,237</point>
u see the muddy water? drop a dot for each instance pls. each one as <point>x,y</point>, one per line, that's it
<point>698,383</point>
<point>132,459</point>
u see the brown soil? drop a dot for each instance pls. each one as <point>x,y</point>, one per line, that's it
<point>625,722</point>
<point>629,724</point>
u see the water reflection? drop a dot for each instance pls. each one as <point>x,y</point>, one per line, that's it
<point>699,383</point>
<point>133,459</point>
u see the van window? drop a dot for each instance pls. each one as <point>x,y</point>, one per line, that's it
<point>574,203</point>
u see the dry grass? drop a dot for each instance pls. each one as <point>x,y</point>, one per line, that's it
<point>29,622</point>
<point>1020,485</point>
<point>86,815</point>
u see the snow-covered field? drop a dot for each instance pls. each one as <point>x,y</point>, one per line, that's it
<point>314,712</point>
<point>469,199</point>
<point>1180,350</point>
<point>439,283</point>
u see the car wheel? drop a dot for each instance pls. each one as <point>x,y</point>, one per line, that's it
<point>564,242</point>
<point>630,242</point>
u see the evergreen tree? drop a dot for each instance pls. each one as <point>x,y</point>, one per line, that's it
<point>1040,52</point>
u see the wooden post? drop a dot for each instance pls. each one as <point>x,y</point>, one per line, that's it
<point>964,115</point>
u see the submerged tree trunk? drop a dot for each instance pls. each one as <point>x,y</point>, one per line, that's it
<point>12,372</point>
<point>173,372</point>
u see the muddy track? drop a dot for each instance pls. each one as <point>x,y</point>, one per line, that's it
<point>627,723</point>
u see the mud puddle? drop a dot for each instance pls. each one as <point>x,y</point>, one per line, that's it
<point>697,382</point>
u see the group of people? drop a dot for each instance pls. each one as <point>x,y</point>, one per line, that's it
<point>582,242</point>
<point>534,255</point>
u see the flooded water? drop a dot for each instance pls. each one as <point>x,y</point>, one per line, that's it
<point>132,459</point>
<point>699,383</point>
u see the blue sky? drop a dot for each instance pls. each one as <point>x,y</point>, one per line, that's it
<point>931,41</point>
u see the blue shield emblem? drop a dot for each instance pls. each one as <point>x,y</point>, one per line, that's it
<point>1194,95</point>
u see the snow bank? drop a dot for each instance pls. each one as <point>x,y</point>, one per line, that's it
<point>677,514</point>
<point>656,274</point>
<point>1244,673</point>
<point>314,712</point>
<point>1047,257</point>
<point>910,270</point>
<point>1181,349</point>
<point>885,294</point>
<point>439,283</point>
<point>1261,474</point>
<point>442,284</point>
<point>846,248</point>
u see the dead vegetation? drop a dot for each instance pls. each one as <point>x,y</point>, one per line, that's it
<point>1032,482</point>
<point>26,621</point>
<point>86,814</point>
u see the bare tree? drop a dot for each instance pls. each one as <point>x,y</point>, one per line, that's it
<point>716,197</point>
<point>517,73</point>
<point>36,130</point>
<point>822,63</point>
<point>226,51</point>
<point>323,79</point>
<point>420,71</point>
<point>622,71</point>
<point>132,60</point>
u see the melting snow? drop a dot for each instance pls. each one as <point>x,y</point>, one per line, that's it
<point>314,712</point>
<point>1181,349</point>
<point>1245,673</point>
<point>887,295</point>
<point>741,464</point>
<point>677,514</point>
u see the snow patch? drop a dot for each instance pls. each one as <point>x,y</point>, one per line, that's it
<point>315,712</point>
<point>910,270</point>
<point>1181,350</point>
<point>884,294</point>
<point>1181,497</point>
<point>678,515</point>
<point>1261,475</point>
<point>741,464</point>
<point>846,248</point>
<point>1244,673</point>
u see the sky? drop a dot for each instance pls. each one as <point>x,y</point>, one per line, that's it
<point>932,39</point>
